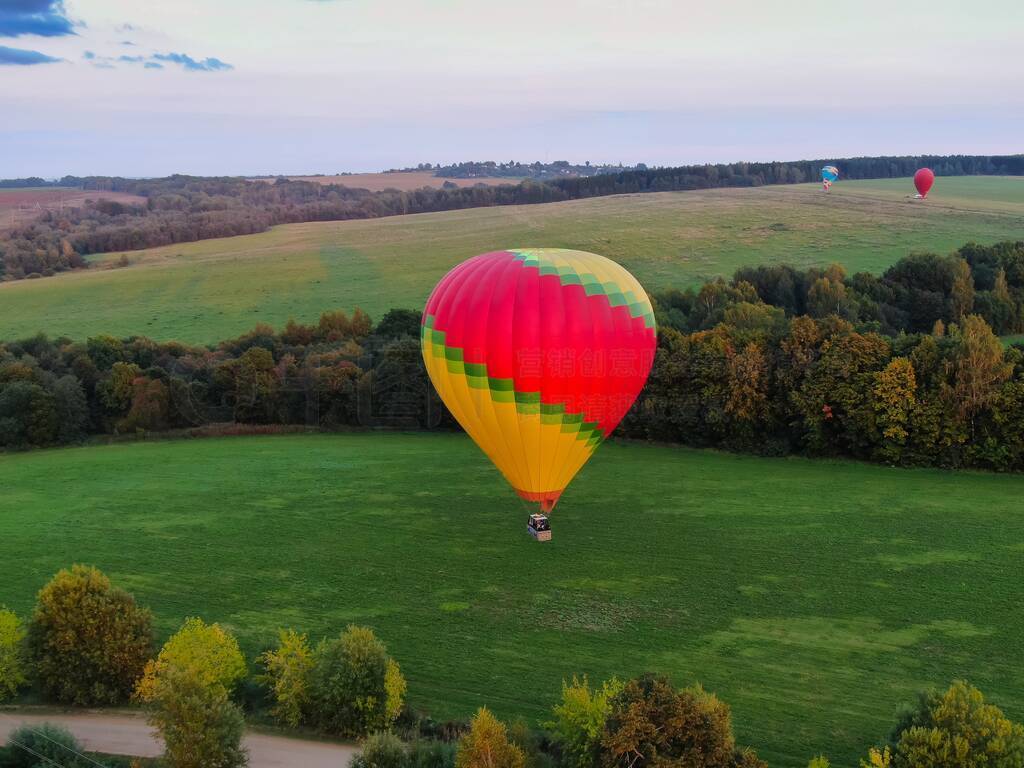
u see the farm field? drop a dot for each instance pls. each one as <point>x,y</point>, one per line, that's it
<point>964,192</point>
<point>213,289</point>
<point>20,206</point>
<point>404,180</point>
<point>1013,338</point>
<point>816,597</point>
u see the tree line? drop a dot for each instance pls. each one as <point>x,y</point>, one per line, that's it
<point>340,372</point>
<point>903,368</point>
<point>185,209</point>
<point>188,208</point>
<point>534,170</point>
<point>708,176</point>
<point>89,643</point>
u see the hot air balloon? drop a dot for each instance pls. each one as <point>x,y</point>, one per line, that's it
<point>538,353</point>
<point>923,180</point>
<point>828,175</point>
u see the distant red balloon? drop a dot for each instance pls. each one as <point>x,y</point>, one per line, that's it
<point>923,180</point>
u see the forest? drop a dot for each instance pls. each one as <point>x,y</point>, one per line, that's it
<point>186,208</point>
<point>534,170</point>
<point>902,368</point>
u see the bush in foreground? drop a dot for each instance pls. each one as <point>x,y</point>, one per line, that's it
<point>12,663</point>
<point>432,754</point>
<point>200,726</point>
<point>210,651</point>
<point>355,687</point>
<point>381,750</point>
<point>42,746</point>
<point>89,642</point>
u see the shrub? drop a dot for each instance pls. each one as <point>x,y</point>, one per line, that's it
<point>487,745</point>
<point>207,649</point>
<point>88,642</point>
<point>819,762</point>
<point>957,728</point>
<point>651,724</point>
<point>877,758</point>
<point>200,726</point>
<point>35,746</point>
<point>432,754</point>
<point>12,662</point>
<point>349,684</point>
<point>381,749</point>
<point>579,720</point>
<point>288,672</point>
<point>530,742</point>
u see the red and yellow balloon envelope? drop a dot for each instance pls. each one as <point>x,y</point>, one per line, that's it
<point>538,353</point>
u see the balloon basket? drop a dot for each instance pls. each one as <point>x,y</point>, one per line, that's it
<point>539,527</point>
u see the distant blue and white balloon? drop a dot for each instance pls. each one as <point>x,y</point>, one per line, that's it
<point>828,175</point>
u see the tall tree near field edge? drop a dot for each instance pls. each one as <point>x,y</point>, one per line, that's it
<point>487,745</point>
<point>200,726</point>
<point>350,683</point>
<point>958,729</point>
<point>653,725</point>
<point>89,642</point>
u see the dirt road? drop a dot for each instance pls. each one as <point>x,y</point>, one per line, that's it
<point>126,734</point>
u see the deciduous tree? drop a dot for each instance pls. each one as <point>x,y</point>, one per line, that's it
<point>579,718</point>
<point>961,296</point>
<point>349,684</point>
<point>28,415</point>
<point>978,368</point>
<point>200,726</point>
<point>895,398</point>
<point>12,654</point>
<point>487,745</point>
<point>208,650</point>
<point>72,409</point>
<point>89,642</point>
<point>652,725</point>
<point>957,729</point>
<point>749,381</point>
<point>288,670</point>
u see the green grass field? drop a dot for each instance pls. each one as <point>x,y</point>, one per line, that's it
<point>816,597</point>
<point>206,291</point>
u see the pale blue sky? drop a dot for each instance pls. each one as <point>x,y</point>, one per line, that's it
<point>306,86</point>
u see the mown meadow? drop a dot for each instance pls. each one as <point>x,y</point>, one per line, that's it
<point>215,289</point>
<point>816,597</point>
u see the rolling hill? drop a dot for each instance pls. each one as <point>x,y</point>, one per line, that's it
<point>209,290</point>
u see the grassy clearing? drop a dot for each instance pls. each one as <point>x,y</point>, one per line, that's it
<point>206,291</point>
<point>815,597</point>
